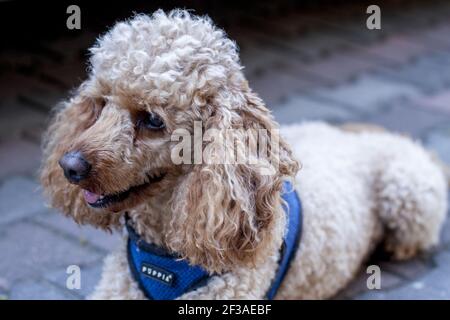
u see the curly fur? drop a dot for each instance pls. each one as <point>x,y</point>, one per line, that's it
<point>357,188</point>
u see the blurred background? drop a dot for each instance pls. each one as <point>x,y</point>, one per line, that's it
<point>309,60</point>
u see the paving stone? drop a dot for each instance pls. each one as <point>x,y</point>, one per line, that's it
<point>445,232</point>
<point>31,91</point>
<point>4,287</point>
<point>19,198</point>
<point>406,119</point>
<point>287,25</point>
<point>41,94</point>
<point>301,108</point>
<point>394,43</point>
<point>261,59</point>
<point>369,94</point>
<point>13,126</point>
<point>73,47</point>
<point>42,101</point>
<point>399,48</point>
<point>413,291</point>
<point>39,68</point>
<point>256,48</point>
<point>443,259</point>
<point>273,76</point>
<point>329,70</point>
<point>408,17</point>
<point>431,72</point>
<point>434,37</point>
<point>318,45</point>
<point>349,28</point>
<point>19,157</point>
<point>29,250</point>
<point>38,290</point>
<point>440,34</point>
<point>286,85</point>
<point>421,16</point>
<point>437,102</point>
<point>342,67</point>
<point>438,139</point>
<point>345,25</point>
<point>82,234</point>
<point>73,70</point>
<point>409,269</point>
<point>367,55</point>
<point>67,77</point>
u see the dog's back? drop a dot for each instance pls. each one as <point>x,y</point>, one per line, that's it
<point>357,189</point>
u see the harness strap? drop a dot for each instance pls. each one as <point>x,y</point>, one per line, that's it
<point>165,276</point>
<point>160,274</point>
<point>293,209</point>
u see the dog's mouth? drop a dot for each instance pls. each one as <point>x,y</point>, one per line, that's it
<point>96,200</point>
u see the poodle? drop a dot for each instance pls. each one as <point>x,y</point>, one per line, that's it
<point>109,162</point>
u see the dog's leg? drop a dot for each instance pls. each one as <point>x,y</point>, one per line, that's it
<point>411,192</point>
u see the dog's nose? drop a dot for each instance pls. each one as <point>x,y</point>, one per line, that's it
<point>75,166</point>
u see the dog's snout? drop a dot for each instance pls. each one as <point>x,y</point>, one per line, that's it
<point>75,166</point>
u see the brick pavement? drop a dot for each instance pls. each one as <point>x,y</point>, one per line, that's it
<point>318,64</point>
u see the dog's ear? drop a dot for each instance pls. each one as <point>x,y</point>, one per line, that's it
<point>69,120</point>
<point>228,215</point>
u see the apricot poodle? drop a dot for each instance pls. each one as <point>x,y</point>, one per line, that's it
<point>108,161</point>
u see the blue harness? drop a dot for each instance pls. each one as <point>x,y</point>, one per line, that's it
<point>165,276</point>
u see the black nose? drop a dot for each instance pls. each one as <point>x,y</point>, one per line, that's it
<point>75,166</point>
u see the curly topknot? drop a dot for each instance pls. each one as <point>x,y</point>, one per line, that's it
<point>164,54</point>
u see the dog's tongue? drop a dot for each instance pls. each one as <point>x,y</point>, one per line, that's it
<point>90,197</point>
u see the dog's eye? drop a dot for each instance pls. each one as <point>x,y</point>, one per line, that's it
<point>152,121</point>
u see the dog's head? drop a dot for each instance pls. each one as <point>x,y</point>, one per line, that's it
<point>111,147</point>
